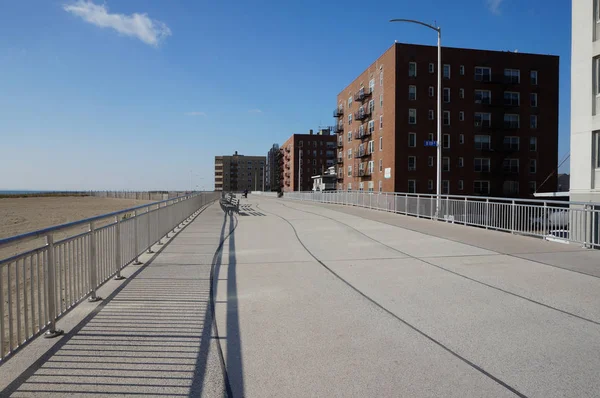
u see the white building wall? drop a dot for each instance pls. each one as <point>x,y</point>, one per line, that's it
<point>585,114</point>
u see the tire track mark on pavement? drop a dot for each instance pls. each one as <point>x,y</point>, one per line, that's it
<point>450,271</point>
<point>381,307</point>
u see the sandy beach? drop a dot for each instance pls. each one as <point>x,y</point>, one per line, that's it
<point>20,215</point>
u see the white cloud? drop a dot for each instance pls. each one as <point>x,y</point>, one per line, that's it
<point>254,111</point>
<point>195,114</point>
<point>150,31</point>
<point>494,6</point>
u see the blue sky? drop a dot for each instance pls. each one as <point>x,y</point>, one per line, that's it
<point>142,94</point>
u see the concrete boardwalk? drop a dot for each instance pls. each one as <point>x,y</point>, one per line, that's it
<point>332,301</point>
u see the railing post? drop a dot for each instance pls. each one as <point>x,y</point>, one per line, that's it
<point>51,290</point>
<point>136,221</point>
<point>93,264</point>
<point>487,213</point>
<point>118,275</point>
<point>149,231</point>
<point>418,206</point>
<point>465,213</point>
<point>512,217</point>
<point>160,224</point>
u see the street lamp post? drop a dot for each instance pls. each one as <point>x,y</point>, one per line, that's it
<point>439,109</point>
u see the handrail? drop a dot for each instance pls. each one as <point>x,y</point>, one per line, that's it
<point>42,232</point>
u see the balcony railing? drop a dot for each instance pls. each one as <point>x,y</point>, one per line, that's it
<point>338,129</point>
<point>361,95</point>
<point>338,113</point>
<point>364,115</point>
<point>568,221</point>
<point>340,160</point>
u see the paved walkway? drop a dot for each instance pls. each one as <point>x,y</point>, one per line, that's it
<point>331,301</point>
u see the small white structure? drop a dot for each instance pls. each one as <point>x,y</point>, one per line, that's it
<point>325,181</point>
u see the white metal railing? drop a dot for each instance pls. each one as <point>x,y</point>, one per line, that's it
<point>44,273</point>
<point>577,222</point>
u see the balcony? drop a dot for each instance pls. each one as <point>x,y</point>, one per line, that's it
<point>340,160</point>
<point>338,129</point>
<point>362,96</point>
<point>361,135</point>
<point>362,154</point>
<point>338,113</point>
<point>340,144</point>
<point>364,115</point>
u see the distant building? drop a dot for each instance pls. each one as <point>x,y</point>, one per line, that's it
<point>273,174</point>
<point>326,181</point>
<point>585,101</point>
<point>237,173</point>
<point>305,155</point>
<point>563,183</point>
<point>499,127</point>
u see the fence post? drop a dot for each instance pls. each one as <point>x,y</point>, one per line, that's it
<point>51,290</point>
<point>136,237</point>
<point>149,231</point>
<point>487,213</point>
<point>545,219</point>
<point>512,217</point>
<point>118,275</point>
<point>93,264</point>
<point>418,206</point>
<point>465,213</point>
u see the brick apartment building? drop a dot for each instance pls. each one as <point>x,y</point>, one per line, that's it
<point>500,123</point>
<point>305,155</point>
<point>237,173</point>
<point>273,171</point>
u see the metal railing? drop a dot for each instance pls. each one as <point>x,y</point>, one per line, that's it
<point>45,273</point>
<point>576,222</point>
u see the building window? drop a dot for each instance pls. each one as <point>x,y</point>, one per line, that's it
<point>381,100</point>
<point>534,77</point>
<point>533,144</point>
<point>371,126</point>
<point>446,118</point>
<point>533,122</point>
<point>431,91</point>
<point>461,185</point>
<point>511,188</point>
<point>380,186</point>
<point>371,106</point>
<point>511,165</point>
<point>461,116</point>
<point>596,143</point>
<point>370,167</point>
<point>462,70</point>
<point>533,99</point>
<point>349,136</point>
<point>371,85</point>
<point>412,93</point>
<point>461,161</point>
<point>380,122</point>
<point>430,136</point>
<point>381,143</point>
<point>412,186</point>
<point>445,187</point>
<point>349,174</point>
<point>412,140</point>
<point>461,139</point>
<point>446,71</point>
<point>370,186</point>
<point>597,76</point>
<point>350,153</point>
<point>349,184</point>
<point>483,97</point>
<point>511,143</point>
<point>482,165</point>
<point>446,95</point>
<point>412,69</point>
<point>512,76</point>
<point>446,141</point>
<point>532,166</point>
<point>430,161</point>
<point>461,93</point>
<point>532,186</point>
<point>483,74</point>
<point>431,67</point>
<point>349,102</point>
<point>430,115</point>
<point>511,121</point>
<point>445,164</point>
<point>481,187</point>
<point>314,162</point>
<point>483,119</point>
<point>349,119</point>
<point>381,78</point>
<point>361,186</point>
<point>412,163</point>
<point>371,146</point>
<point>512,98</point>
<point>380,165</point>
<point>412,116</point>
<point>430,185</point>
<point>483,142</point>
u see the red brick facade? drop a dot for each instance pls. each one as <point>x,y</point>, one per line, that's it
<point>473,168</point>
